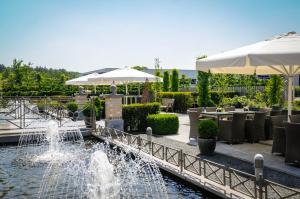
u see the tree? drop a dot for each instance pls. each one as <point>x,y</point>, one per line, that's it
<point>166,83</point>
<point>39,80</point>
<point>175,80</point>
<point>203,89</point>
<point>274,90</point>
<point>140,68</point>
<point>184,82</point>
<point>2,67</point>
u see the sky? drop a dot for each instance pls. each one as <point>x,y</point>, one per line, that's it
<point>85,35</point>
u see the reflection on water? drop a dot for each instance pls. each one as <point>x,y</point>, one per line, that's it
<point>18,180</point>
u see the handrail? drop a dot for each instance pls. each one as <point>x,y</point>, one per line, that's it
<point>236,180</point>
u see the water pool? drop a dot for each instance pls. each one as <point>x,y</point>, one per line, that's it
<point>19,180</point>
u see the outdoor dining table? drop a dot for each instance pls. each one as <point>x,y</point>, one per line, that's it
<point>216,115</point>
<point>222,114</point>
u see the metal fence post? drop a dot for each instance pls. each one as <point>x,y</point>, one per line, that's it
<point>93,118</point>
<point>139,142</point>
<point>259,167</point>
<point>181,160</point>
<point>149,138</point>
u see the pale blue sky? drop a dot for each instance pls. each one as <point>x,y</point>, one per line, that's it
<point>92,34</point>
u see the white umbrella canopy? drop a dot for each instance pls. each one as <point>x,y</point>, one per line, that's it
<point>123,76</point>
<point>278,55</point>
<point>83,80</point>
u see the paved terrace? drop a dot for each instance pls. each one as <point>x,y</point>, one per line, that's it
<point>238,156</point>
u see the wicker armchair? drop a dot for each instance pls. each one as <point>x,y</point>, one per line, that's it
<point>278,130</point>
<point>255,129</point>
<point>295,118</point>
<point>275,112</point>
<point>194,114</point>
<point>292,154</point>
<point>233,131</point>
<point>211,109</point>
<point>230,108</point>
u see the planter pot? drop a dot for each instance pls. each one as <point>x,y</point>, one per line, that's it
<point>87,121</point>
<point>207,146</point>
<point>73,115</point>
<point>254,109</point>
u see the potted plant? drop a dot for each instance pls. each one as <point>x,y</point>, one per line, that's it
<point>87,112</point>
<point>207,131</point>
<point>72,109</point>
<point>41,106</point>
<point>98,108</point>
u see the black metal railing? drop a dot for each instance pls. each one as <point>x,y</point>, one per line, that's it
<point>20,112</point>
<point>226,177</point>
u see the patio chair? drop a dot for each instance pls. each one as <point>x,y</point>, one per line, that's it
<point>211,109</point>
<point>233,131</point>
<point>167,104</point>
<point>230,108</point>
<point>275,112</point>
<point>292,154</point>
<point>278,130</point>
<point>255,128</point>
<point>295,118</point>
<point>194,114</point>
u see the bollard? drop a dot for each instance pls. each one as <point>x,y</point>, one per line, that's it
<point>149,138</point>
<point>259,169</point>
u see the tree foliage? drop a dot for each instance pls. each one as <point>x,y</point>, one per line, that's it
<point>203,89</point>
<point>23,79</point>
<point>274,90</point>
<point>175,80</point>
<point>166,81</point>
<point>140,68</point>
<point>184,82</point>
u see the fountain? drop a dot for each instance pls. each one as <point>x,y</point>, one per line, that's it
<point>74,170</point>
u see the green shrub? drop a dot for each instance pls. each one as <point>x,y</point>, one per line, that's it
<point>207,129</point>
<point>135,115</point>
<point>41,106</point>
<point>216,96</point>
<point>237,101</point>
<point>297,91</point>
<point>163,124</point>
<point>183,100</point>
<point>274,90</point>
<point>99,107</point>
<point>56,104</point>
<point>296,105</point>
<point>72,106</point>
<point>87,109</point>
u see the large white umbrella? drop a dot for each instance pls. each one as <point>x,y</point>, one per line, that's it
<point>278,55</point>
<point>83,80</point>
<point>124,76</point>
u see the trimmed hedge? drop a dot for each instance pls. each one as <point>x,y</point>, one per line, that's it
<point>183,100</point>
<point>135,115</point>
<point>163,124</point>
